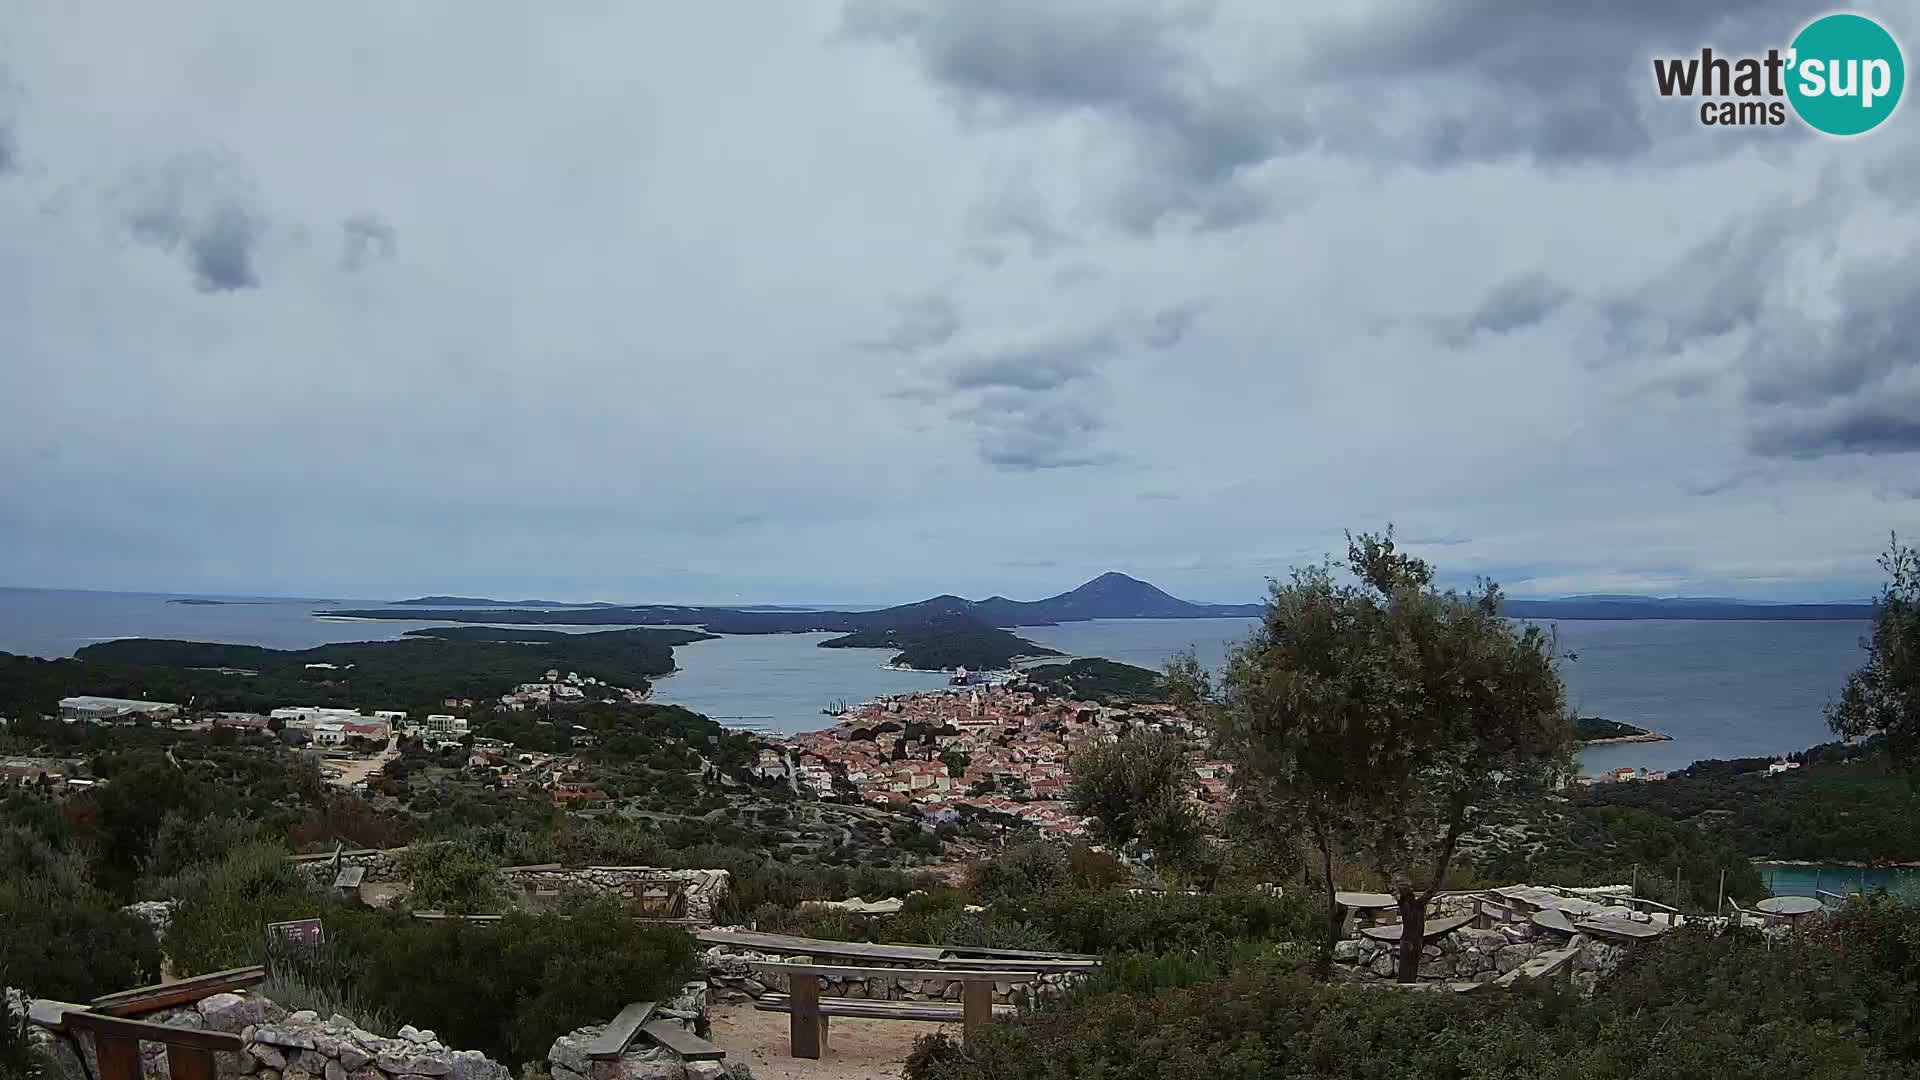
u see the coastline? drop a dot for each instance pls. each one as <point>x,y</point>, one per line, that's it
<point>1837,862</point>
<point>1644,737</point>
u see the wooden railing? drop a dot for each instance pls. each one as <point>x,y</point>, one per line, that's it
<point>117,1038</point>
<point>116,1041</point>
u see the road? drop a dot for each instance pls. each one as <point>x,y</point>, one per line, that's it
<point>353,772</point>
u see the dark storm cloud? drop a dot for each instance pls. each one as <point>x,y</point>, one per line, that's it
<point>1169,326</point>
<point>366,239</point>
<point>1515,304</point>
<point>922,322</point>
<point>196,206</point>
<point>1134,64</point>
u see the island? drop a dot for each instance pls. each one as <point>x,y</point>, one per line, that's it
<point>1095,679</point>
<point>944,644</point>
<point>1595,731</point>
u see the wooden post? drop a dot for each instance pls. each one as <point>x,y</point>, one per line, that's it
<point>1816,881</point>
<point>976,998</point>
<point>119,1057</point>
<point>1720,906</point>
<point>1636,879</point>
<point>807,1029</point>
<point>189,1063</point>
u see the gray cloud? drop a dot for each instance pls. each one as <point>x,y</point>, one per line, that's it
<point>197,205</point>
<point>1515,304</point>
<point>366,238</point>
<point>1818,376</point>
<point>1047,362</point>
<point>1021,432</point>
<point>1169,326</point>
<point>1019,212</point>
<point>922,322</point>
<point>1132,64</point>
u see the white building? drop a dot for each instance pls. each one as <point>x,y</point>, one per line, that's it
<point>445,724</point>
<point>102,710</point>
<point>329,733</point>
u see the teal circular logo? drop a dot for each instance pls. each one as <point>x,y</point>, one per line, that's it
<point>1846,74</point>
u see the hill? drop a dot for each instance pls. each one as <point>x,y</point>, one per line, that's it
<point>483,602</point>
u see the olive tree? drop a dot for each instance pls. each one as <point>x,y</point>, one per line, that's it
<point>1137,791</point>
<point>1883,697</point>
<point>1378,716</point>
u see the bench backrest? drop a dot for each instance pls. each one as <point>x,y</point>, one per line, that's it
<point>841,971</point>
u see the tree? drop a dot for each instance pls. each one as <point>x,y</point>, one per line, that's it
<point>956,762</point>
<point>1883,697</point>
<point>1378,718</point>
<point>1135,790</point>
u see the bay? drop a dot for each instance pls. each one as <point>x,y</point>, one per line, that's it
<point>1719,689</point>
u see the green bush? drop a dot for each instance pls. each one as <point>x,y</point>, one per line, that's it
<point>454,876</point>
<point>61,937</point>
<point>224,925</point>
<point>1019,872</point>
<point>1152,922</point>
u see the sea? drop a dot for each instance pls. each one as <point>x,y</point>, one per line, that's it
<point>1719,689</point>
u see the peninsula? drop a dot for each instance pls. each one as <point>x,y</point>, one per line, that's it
<point>1595,731</point>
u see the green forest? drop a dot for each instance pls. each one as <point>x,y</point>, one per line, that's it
<point>414,673</point>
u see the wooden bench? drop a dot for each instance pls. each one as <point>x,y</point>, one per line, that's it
<point>809,1011</point>
<point>147,999</point>
<point>116,1041</point>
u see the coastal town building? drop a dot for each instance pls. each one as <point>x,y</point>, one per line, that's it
<point>106,710</point>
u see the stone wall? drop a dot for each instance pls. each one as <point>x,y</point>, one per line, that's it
<point>1476,955</point>
<point>701,890</point>
<point>567,1059</point>
<point>732,978</point>
<point>289,1046</point>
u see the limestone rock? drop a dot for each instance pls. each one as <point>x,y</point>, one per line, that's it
<point>231,1012</point>
<point>1346,952</point>
<point>1511,957</point>
<point>418,1065</point>
<point>267,1055</point>
<point>353,1057</point>
<point>286,1035</point>
<point>304,1016</point>
<point>333,1070</point>
<point>568,1053</point>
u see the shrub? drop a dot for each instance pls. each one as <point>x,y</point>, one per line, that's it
<point>224,925</point>
<point>1019,872</point>
<point>60,937</point>
<point>454,876</point>
<point>1115,921</point>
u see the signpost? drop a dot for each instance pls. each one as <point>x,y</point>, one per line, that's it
<point>297,932</point>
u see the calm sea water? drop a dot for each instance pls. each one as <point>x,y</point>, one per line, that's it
<point>1789,879</point>
<point>1721,689</point>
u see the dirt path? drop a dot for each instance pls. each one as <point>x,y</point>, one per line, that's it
<point>355,771</point>
<point>856,1049</point>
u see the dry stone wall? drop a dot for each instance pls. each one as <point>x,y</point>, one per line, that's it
<point>731,975</point>
<point>289,1046</point>
<point>568,1060</point>
<point>701,890</point>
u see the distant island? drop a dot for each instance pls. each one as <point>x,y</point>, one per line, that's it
<point>945,632</point>
<point>943,644</point>
<point>1592,731</point>
<point>483,602</point>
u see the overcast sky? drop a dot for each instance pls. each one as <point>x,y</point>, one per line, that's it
<point>868,300</point>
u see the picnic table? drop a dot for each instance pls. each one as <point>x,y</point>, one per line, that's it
<point>1788,907</point>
